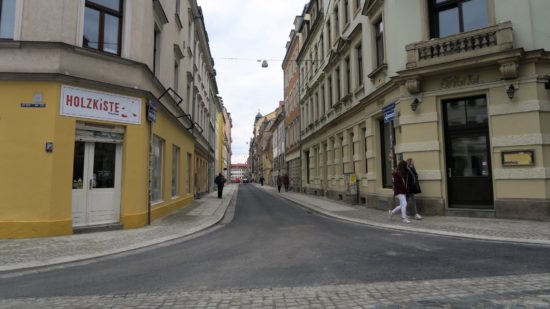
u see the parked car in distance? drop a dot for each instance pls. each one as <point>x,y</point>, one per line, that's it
<point>245,180</point>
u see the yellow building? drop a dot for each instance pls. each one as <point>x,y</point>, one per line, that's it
<point>101,132</point>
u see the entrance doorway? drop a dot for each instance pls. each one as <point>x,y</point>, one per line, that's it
<point>96,183</point>
<point>468,160</point>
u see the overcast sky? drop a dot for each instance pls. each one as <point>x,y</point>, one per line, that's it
<point>242,32</point>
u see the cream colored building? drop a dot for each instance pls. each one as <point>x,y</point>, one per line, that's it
<point>460,86</point>
<point>102,128</point>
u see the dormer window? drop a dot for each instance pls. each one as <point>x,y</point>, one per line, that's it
<point>448,17</point>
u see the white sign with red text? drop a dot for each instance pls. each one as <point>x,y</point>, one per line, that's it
<point>85,103</point>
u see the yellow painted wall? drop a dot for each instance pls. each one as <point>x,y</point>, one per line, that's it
<point>36,187</point>
<point>34,200</point>
<point>172,133</point>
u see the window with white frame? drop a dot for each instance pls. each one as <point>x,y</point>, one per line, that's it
<point>7,19</point>
<point>448,17</point>
<point>157,165</point>
<point>175,171</point>
<point>103,25</point>
<point>379,41</point>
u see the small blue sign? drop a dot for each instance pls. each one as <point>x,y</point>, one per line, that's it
<point>152,111</point>
<point>389,112</point>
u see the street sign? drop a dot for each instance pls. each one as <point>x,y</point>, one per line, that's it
<point>389,112</point>
<point>152,111</point>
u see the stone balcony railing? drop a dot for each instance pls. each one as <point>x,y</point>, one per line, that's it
<point>461,46</point>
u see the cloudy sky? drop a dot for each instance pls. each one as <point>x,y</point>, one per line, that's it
<point>242,32</point>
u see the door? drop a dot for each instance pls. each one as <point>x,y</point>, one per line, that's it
<point>468,160</point>
<point>96,183</point>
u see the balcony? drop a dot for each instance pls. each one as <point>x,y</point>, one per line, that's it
<point>461,46</point>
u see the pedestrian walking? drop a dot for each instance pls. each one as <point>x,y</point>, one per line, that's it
<point>220,181</point>
<point>262,180</point>
<point>286,182</point>
<point>400,182</point>
<point>279,182</point>
<point>414,188</point>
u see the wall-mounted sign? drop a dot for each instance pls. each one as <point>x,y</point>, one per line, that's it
<point>459,81</point>
<point>152,111</point>
<point>518,158</point>
<point>389,112</point>
<point>33,105</point>
<point>85,103</point>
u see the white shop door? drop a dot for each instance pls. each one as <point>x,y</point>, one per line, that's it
<point>96,183</point>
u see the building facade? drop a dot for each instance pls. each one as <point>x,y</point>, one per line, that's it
<point>102,128</point>
<point>461,89</point>
<point>238,172</point>
<point>292,106</point>
<point>278,142</point>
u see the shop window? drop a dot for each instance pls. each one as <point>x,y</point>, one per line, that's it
<point>308,172</point>
<point>175,171</point>
<point>387,142</point>
<point>103,25</point>
<point>448,17</point>
<point>7,19</point>
<point>157,169</point>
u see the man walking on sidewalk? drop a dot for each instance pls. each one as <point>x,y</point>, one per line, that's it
<point>220,181</point>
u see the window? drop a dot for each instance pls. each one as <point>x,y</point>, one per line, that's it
<point>103,25</point>
<point>379,41</point>
<point>346,11</point>
<point>448,17</point>
<point>338,94</point>
<point>156,53</point>
<point>336,22</point>
<point>348,75</point>
<point>7,19</point>
<point>175,171</point>
<point>178,7</point>
<point>366,157</point>
<point>329,86</point>
<point>307,166</point>
<point>189,172</point>
<point>359,55</point>
<point>329,35</point>
<point>176,75</point>
<point>156,169</point>
<point>387,133</point>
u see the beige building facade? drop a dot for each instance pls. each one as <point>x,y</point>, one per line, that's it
<point>459,86</point>
<point>108,105</point>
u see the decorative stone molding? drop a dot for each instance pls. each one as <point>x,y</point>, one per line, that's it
<point>413,85</point>
<point>521,140</point>
<point>419,118</point>
<point>371,176</point>
<point>370,154</point>
<point>429,175</point>
<point>509,69</point>
<point>522,173</point>
<point>519,107</point>
<point>417,147</point>
<point>484,41</point>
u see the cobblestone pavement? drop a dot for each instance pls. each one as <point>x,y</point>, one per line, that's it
<point>521,231</point>
<point>35,252</point>
<point>526,291</point>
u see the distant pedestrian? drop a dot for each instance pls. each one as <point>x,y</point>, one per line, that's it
<point>414,188</point>
<point>286,182</point>
<point>220,181</point>
<point>262,180</point>
<point>279,182</point>
<point>400,183</point>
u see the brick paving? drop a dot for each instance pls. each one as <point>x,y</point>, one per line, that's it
<point>525,291</point>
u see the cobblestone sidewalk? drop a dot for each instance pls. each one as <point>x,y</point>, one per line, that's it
<point>526,291</point>
<point>35,252</point>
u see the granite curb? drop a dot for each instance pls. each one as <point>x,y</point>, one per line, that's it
<point>407,228</point>
<point>218,216</point>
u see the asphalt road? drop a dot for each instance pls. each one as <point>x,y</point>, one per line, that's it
<point>271,243</point>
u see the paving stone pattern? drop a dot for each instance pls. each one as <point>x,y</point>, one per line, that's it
<point>526,291</point>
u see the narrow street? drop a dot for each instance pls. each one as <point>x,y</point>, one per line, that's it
<point>271,245</point>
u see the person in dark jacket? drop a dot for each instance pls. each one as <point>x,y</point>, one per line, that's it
<point>414,188</point>
<point>400,189</point>
<point>279,182</point>
<point>220,181</point>
<point>286,182</point>
<point>262,180</point>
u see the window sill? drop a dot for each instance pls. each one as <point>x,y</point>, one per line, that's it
<point>156,203</point>
<point>378,70</point>
<point>359,89</point>
<point>178,21</point>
